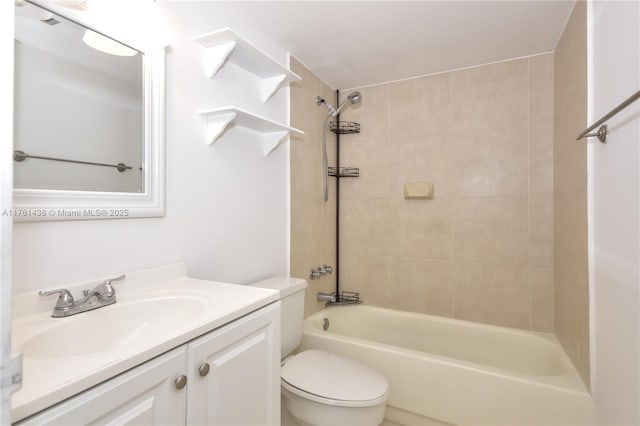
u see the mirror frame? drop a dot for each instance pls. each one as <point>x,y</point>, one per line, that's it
<point>54,205</point>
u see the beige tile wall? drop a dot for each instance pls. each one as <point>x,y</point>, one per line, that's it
<point>482,249</point>
<point>504,239</point>
<point>313,222</point>
<point>570,194</point>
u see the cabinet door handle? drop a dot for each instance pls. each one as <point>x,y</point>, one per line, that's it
<point>181,382</point>
<point>204,369</point>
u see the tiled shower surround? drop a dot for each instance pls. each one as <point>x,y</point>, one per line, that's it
<point>482,248</point>
<point>570,192</point>
<point>313,222</point>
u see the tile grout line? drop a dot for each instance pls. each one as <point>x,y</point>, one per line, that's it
<point>529,192</point>
<point>450,126</point>
<point>388,198</point>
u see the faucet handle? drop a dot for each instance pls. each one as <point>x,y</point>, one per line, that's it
<point>107,289</point>
<point>110,280</point>
<point>314,274</point>
<point>65,300</point>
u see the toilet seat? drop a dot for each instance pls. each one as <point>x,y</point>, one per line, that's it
<point>330,379</point>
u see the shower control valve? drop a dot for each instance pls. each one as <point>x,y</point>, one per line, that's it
<point>324,269</point>
<point>314,274</point>
<point>319,271</point>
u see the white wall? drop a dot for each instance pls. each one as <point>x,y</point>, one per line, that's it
<point>227,205</point>
<point>614,216</point>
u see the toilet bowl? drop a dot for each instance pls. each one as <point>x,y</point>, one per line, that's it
<point>319,387</point>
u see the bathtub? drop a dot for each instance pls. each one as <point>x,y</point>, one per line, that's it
<point>447,371</point>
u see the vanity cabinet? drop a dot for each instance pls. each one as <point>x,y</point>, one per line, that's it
<point>232,378</point>
<point>234,373</point>
<point>145,395</point>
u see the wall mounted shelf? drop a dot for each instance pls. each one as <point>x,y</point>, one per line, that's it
<point>225,44</point>
<point>219,121</point>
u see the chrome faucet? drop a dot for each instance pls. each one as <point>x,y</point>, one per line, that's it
<point>101,295</point>
<point>326,297</point>
<point>319,271</point>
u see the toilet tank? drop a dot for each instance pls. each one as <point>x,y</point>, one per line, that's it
<point>292,309</point>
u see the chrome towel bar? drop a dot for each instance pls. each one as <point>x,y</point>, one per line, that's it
<point>602,131</point>
<point>21,156</point>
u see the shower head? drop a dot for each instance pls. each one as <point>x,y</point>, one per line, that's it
<point>355,97</point>
<point>352,99</point>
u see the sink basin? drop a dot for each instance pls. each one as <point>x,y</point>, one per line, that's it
<point>158,310</point>
<point>116,325</point>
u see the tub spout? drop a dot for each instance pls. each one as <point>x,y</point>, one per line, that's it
<point>326,297</point>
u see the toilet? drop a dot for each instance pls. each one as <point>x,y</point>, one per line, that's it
<point>317,386</point>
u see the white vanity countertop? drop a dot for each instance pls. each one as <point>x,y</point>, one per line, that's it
<point>156,311</point>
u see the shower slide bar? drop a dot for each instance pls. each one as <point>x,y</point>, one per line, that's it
<point>20,156</point>
<point>602,131</point>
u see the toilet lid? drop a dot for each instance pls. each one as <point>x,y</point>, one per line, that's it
<point>330,376</point>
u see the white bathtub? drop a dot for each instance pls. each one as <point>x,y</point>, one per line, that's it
<point>454,371</point>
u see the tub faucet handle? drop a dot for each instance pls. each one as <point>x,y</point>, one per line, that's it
<point>314,274</point>
<point>328,269</point>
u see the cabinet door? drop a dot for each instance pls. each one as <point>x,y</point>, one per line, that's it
<point>145,395</point>
<point>242,386</point>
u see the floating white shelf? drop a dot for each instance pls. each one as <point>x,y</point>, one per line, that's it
<point>219,120</point>
<point>225,45</point>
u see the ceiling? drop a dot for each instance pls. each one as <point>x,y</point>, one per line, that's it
<point>357,43</point>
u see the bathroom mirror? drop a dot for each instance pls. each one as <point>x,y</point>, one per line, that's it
<point>88,131</point>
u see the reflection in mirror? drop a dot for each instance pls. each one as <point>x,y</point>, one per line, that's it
<point>79,108</point>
